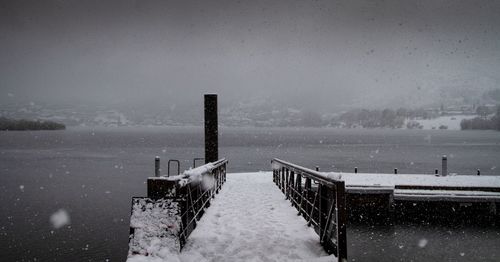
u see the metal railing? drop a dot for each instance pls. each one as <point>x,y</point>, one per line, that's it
<point>196,195</point>
<point>319,199</point>
<point>192,192</point>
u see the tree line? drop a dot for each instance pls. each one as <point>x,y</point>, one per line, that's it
<point>23,124</point>
<point>482,122</point>
<point>387,118</point>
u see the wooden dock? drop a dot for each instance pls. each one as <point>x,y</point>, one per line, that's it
<point>379,191</point>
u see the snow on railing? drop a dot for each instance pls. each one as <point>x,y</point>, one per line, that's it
<point>162,222</point>
<point>320,199</point>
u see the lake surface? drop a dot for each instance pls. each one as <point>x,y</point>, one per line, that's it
<point>93,173</point>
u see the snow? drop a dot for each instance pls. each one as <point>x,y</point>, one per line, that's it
<point>422,243</point>
<point>192,175</point>
<point>156,225</point>
<point>59,218</point>
<point>390,180</point>
<point>452,122</point>
<point>249,220</point>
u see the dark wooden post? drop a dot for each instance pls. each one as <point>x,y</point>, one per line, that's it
<point>157,166</point>
<point>444,166</point>
<point>211,129</point>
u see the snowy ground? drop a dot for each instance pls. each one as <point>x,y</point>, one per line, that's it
<point>451,122</point>
<point>249,220</point>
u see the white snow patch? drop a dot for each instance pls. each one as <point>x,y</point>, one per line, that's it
<point>452,122</point>
<point>193,175</point>
<point>60,218</point>
<point>422,243</point>
<point>390,180</point>
<point>155,224</point>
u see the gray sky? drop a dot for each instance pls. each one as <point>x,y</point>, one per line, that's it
<point>313,52</point>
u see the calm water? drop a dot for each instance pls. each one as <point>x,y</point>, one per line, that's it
<point>93,173</point>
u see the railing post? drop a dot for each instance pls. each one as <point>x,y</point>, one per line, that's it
<point>283,180</point>
<point>307,189</point>
<point>211,129</point>
<point>157,166</point>
<point>291,183</point>
<point>341,220</point>
<point>324,196</point>
<point>298,188</point>
<point>287,179</point>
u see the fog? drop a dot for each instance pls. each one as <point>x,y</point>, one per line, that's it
<point>311,54</point>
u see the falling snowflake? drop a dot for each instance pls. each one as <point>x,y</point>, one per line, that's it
<point>422,243</point>
<point>59,218</point>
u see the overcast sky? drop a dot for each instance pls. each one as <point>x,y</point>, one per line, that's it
<point>311,52</point>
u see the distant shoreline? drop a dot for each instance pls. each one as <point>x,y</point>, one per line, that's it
<point>7,124</point>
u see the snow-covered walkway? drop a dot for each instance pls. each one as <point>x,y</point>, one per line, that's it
<point>250,220</point>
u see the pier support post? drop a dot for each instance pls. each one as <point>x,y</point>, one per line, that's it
<point>211,129</point>
<point>444,167</point>
<point>157,166</point>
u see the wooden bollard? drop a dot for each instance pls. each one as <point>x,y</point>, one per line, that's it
<point>211,129</point>
<point>355,170</point>
<point>444,166</point>
<point>395,171</point>
<point>157,166</point>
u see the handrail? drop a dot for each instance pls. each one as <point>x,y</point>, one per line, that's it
<point>320,200</point>
<point>196,197</point>
<point>190,194</point>
<point>178,166</point>
<point>195,159</point>
<point>306,171</point>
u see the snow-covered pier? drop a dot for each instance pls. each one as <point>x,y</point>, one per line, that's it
<point>249,220</point>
